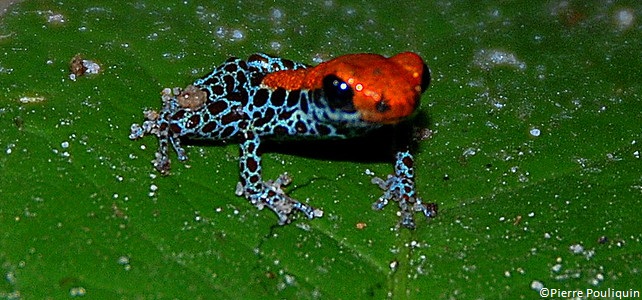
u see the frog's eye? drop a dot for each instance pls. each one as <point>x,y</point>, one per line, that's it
<point>425,78</point>
<point>338,93</point>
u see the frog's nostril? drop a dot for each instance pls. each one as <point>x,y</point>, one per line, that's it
<point>382,106</point>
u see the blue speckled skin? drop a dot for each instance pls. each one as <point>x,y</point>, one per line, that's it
<point>235,106</point>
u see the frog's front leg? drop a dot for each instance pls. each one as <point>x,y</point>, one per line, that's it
<point>267,193</point>
<point>158,124</point>
<point>400,187</point>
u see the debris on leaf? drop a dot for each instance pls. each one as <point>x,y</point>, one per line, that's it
<point>79,67</point>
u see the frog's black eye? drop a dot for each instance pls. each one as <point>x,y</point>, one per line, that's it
<point>425,78</point>
<point>338,93</point>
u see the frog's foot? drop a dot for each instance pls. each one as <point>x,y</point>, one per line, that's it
<point>273,197</point>
<point>149,127</point>
<point>156,123</point>
<point>402,190</point>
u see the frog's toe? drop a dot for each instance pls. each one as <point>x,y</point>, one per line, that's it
<point>136,132</point>
<point>273,197</point>
<point>162,163</point>
<point>402,190</point>
<point>284,206</point>
<point>428,209</point>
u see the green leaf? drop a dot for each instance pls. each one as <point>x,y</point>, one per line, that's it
<point>534,158</point>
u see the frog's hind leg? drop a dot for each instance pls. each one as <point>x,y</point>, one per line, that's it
<point>267,193</point>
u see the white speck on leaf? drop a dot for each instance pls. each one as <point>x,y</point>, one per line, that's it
<point>487,59</point>
<point>624,18</point>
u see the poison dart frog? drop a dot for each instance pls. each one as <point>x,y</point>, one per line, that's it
<point>270,98</point>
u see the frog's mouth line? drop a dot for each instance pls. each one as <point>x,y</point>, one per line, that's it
<point>345,115</point>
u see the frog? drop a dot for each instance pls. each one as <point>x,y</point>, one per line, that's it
<point>268,98</point>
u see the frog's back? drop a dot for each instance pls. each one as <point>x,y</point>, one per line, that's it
<point>236,75</point>
<point>232,96</point>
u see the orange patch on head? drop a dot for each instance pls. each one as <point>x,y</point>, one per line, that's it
<point>287,79</point>
<point>385,90</point>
